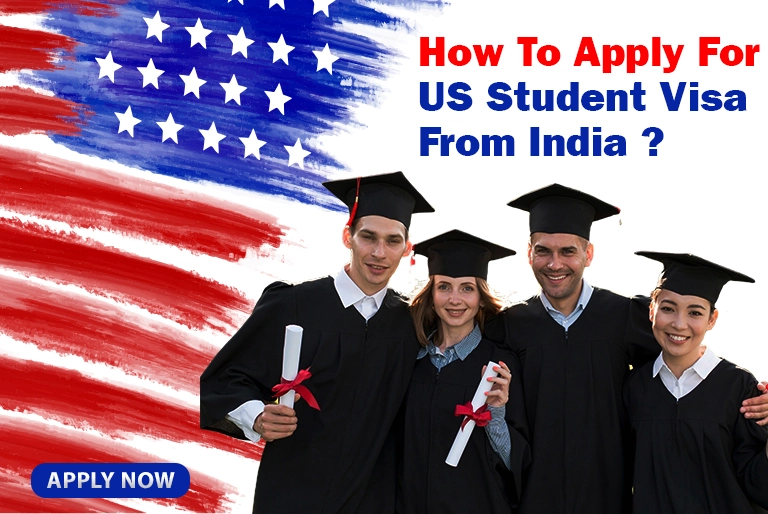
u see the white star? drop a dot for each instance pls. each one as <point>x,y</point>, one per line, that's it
<point>198,33</point>
<point>192,83</point>
<point>155,27</point>
<point>108,67</point>
<point>252,145</point>
<point>150,74</point>
<point>325,59</point>
<point>296,154</point>
<point>322,5</point>
<point>212,137</point>
<point>281,3</point>
<point>233,90</point>
<point>280,50</point>
<point>240,43</point>
<point>127,121</point>
<point>241,1</point>
<point>170,128</point>
<point>277,99</point>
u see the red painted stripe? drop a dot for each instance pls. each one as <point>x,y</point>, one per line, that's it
<point>100,332</point>
<point>87,197</point>
<point>22,111</point>
<point>83,7</point>
<point>16,496</point>
<point>159,288</point>
<point>22,49</point>
<point>24,447</point>
<point>73,399</point>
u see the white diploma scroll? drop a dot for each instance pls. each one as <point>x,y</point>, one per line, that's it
<point>291,353</point>
<point>462,438</point>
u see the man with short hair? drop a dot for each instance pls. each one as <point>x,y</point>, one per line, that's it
<point>358,345</point>
<point>576,344</point>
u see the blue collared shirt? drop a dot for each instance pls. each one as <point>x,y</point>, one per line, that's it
<point>562,319</point>
<point>460,350</point>
<point>496,430</point>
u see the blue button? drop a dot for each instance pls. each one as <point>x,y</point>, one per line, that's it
<point>104,480</point>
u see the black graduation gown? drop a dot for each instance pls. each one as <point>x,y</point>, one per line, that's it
<point>481,481</point>
<point>340,459</point>
<point>573,395</point>
<point>699,454</point>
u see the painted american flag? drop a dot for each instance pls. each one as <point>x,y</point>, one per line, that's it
<point>154,157</point>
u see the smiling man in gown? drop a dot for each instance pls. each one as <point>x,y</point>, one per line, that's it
<point>576,344</point>
<point>358,345</point>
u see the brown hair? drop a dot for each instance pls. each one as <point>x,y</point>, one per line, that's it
<point>353,228</point>
<point>425,319</point>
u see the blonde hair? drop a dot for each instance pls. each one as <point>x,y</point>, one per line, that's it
<point>425,319</point>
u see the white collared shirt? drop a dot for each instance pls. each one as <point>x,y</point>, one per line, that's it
<point>691,377</point>
<point>349,294</point>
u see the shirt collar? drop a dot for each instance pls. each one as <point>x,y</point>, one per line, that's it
<point>703,367</point>
<point>350,294</point>
<point>706,363</point>
<point>581,304</point>
<point>462,349</point>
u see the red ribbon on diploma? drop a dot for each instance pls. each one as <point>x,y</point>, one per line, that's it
<point>481,416</point>
<point>287,385</point>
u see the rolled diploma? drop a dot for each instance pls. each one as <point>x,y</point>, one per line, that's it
<point>462,438</point>
<point>291,353</point>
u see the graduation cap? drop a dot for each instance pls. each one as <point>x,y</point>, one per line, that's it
<point>389,195</point>
<point>689,275</point>
<point>557,209</point>
<point>458,254</point>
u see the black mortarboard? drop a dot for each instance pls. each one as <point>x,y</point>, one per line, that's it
<point>558,209</point>
<point>689,275</point>
<point>389,195</point>
<point>458,254</point>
